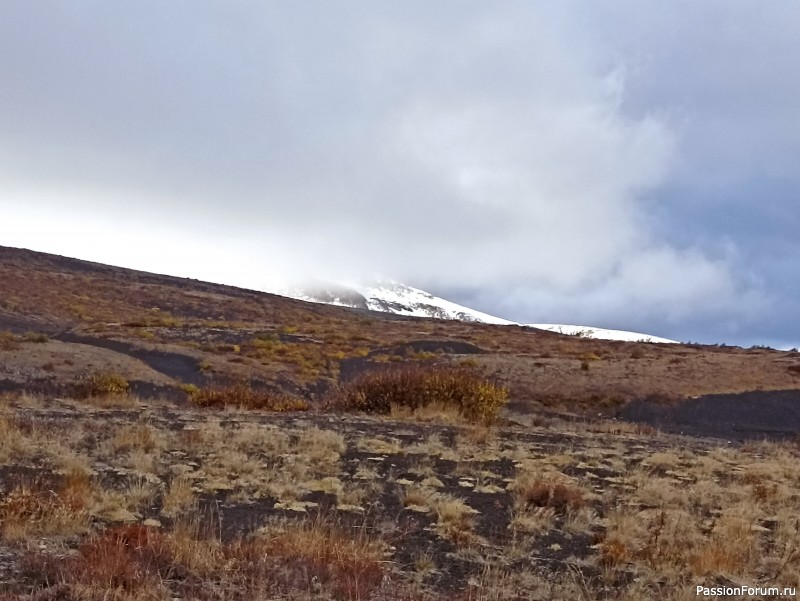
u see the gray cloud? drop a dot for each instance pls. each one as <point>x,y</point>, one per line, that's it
<point>568,163</point>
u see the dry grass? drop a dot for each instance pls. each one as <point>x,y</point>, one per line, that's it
<point>246,397</point>
<point>13,442</point>
<point>32,510</point>
<point>321,447</point>
<point>179,498</point>
<point>136,562</point>
<point>380,446</point>
<point>140,437</point>
<point>351,564</point>
<point>531,491</point>
<point>638,515</point>
<point>455,519</point>
<point>434,411</point>
<point>418,497</point>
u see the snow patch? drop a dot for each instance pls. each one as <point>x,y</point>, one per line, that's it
<point>599,333</point>
<point>388,296</point>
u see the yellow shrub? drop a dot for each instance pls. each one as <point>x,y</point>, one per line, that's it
<point>416,386</point>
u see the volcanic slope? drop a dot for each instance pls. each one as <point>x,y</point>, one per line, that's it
<point>163,333</point>
<point>117,482</point>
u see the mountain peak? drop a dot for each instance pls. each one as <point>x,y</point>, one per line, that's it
<point>391,296</point>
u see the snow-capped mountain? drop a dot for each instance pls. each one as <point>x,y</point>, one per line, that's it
<point>601,333</point>
<point>393,297</point>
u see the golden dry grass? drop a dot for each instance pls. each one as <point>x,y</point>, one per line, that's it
<point>32,510</point>
<point>645,514</point>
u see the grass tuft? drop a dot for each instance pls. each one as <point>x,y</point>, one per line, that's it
<point>546,492</point>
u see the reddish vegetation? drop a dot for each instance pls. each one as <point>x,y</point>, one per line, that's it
<point>245,397</point>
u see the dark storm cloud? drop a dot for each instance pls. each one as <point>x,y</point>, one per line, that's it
<point>525,158</point>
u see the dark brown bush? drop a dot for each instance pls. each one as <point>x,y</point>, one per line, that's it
<point>545,493</point>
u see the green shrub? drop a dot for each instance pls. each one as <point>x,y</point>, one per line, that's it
<point>245,397</point>
<point>415,386</point>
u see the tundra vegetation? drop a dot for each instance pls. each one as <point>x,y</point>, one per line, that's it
<point>165,503</point>
<point>164,439</point>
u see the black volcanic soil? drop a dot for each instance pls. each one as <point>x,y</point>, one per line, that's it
<point>752,415</point>
<point>173,365</point>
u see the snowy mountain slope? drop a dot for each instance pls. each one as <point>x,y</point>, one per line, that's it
<point>600,333</point>
<point>393,297</point>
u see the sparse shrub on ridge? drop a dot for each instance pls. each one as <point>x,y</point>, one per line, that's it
<point>415,386</point>
<point>246,397</point>
<point>102,384</point>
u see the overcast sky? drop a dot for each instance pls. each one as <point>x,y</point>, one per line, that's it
<point>629,164</point>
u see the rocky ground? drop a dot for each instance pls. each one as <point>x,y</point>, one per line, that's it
<point>423,507</point>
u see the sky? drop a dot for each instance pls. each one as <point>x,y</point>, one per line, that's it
<point>627,164</point>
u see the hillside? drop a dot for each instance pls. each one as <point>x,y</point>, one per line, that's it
<point>163,439</point>
<point>161,332</point>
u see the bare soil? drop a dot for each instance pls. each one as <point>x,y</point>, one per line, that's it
<point>754,415</point>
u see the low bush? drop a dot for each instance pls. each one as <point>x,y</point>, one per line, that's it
<point>563,497</point>
<point>102,384</point>
<point>246,397</point>
<point>135,562</point>
<point>415,386</point>
<point>33,509</point>
<point>37,337</point>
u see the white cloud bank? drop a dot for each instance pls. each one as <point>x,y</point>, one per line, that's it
<point>462,146</point>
